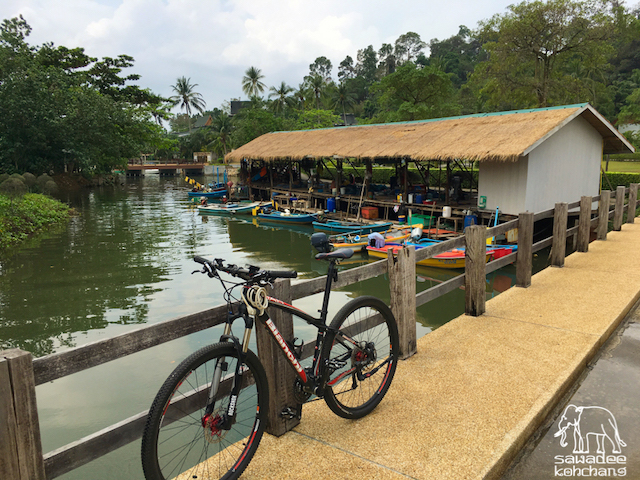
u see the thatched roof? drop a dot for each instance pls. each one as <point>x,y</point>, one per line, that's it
<point>504,136</point>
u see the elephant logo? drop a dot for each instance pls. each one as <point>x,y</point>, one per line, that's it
<point>588,422</point>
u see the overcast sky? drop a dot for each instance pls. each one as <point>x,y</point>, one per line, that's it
<point>213,42</point>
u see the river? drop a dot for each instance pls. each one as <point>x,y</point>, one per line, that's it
<point>125,260</point>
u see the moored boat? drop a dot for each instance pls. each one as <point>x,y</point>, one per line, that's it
<point>337,226</point>
<point>215,193</point>
<point>227,208</point>
<point>285,217</point>
<point>355,240</point>
<point>454,258</point>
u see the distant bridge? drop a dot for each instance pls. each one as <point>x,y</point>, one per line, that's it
<point>137,165</point>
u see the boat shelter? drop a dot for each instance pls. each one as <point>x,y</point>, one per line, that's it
<point>528,160</point>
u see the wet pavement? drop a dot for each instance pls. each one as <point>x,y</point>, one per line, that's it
<point>611,382</point>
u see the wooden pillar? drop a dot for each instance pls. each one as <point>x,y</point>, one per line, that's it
<point>603,214</point>
<point>559,246</point>
<point>339,175</point>
<point>447,184</point>
<point>402,283</point>
<point>584,224</point>
<point>405,182</point>
<point>290,175</point>
<point>270,181</point>
<point>249,165</point>
<point>475,270</point>
<point>524,258</point>
<point>633,198</point>
<point>20,443</point>
<point>279,375</point>
<point>619,211</point>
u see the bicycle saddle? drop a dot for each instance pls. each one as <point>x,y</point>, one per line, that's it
<point>341,253</point>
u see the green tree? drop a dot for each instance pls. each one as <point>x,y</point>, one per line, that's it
<point>412,93</point>
<point>367,65</point>
<point>252,84</point>
<point>408,46</point>
<point>281,98</point>
<point>186,97</point>
<point>343,98</point>
<point>311,119</point>
<point>321,66</point>
<point>346,69</point>
<point>530,46</point>
<point>221,127</point>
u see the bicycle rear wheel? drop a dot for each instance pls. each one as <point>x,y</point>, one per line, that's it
<point>362,353</point>
<point>181,440</point>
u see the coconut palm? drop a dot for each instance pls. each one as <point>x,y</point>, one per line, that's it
<point>251,82</point>
<point>342,97</point>
<point>281,96</point>
<point>221,127</point>
<point>300,95</point>
<point>186,97</point>
<point>317,85</point>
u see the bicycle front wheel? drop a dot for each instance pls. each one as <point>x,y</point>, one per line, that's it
<point>361,352</point>
<point>185,439</point>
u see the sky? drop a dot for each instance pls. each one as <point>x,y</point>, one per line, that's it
<point>213,42</point>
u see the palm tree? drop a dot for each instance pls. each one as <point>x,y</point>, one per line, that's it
<point>186,97</point>
<point>300,95</point>
<point>251,82</point>
<point>282,98</point>
<point>317,85</point>
<point>221,127</point>
<point>343,97</point>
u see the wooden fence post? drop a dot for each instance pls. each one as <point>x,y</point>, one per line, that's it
<point>20,445</point>
<point>603,214</point>
<point>402,284</point>
<point>474,270</point>
<point>559,246</point>
<point>617,216</point>
<point>633,198</point>
<point>584,224</point>
<point>280,376</point>
<point>524,258</point>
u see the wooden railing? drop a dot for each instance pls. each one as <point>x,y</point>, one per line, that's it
<point>21,456</point>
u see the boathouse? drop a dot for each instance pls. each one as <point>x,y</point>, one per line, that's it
<point>528,159</point>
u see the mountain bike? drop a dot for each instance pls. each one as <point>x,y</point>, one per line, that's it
<point>209,415</point>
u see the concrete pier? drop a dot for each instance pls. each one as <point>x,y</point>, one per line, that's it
<point>466,403</point>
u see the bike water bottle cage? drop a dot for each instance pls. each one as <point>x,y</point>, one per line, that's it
<point>339,254</point>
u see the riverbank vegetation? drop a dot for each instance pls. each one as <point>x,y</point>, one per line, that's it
<point>23,216</point>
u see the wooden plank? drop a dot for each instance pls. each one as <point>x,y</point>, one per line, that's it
<point>439,290</point>
<point>502,228</point>
<point>57,365</point>
<point>603,214</point>
<point>27,434</point>
<point>559,246</point>
<point>633,198</point>
<point>402,285</point>
<point>544,214</point>
<point>501,262</point>
<point>584,224</point>
<point>474,272</point>
<point>619,209</point>
<point>348,277</point>
<point>525,247</point>
<point>542,244</point>
<point>9,467</point>
<point>280,375</point>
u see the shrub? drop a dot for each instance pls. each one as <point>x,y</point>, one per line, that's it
<point>3,177</point>
<point>18,176</point>
<point>50,188</point>
<point>13,187</point>
<point>29,179</point>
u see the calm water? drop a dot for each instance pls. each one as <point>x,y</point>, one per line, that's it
<point>126,260</point>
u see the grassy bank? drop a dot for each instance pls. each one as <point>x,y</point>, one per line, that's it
<point>28,215</point>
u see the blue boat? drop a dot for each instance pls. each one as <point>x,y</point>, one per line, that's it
<point>284,217</point>
<point>216,193</point>
<point>337,226</point>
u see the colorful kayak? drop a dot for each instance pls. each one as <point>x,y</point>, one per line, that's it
<point>227,208</point>
<point>337,227</point>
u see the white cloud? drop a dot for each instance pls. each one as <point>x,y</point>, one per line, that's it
<point>214,42</point>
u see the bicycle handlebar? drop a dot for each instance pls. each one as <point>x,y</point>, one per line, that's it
<point>251,272</point>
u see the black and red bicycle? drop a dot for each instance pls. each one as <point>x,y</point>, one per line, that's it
<point>208,418</point>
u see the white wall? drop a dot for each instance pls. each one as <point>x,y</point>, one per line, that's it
<point>504,184</point>
<point>565,167</point>
<point>562,169</point>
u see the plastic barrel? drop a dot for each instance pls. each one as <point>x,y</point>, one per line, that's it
<point>470,220</point>
<point>402,218</point>
<point>418,198</point>
<point>331,204</point>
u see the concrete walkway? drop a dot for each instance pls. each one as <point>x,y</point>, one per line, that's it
<point>466,403</point>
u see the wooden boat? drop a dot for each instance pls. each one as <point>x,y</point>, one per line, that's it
<point>284,217</point>
<point>337,226</point>
<point>355,241</point>
<point>452,259</point>
<point>227,208</point>
<point>215,193</point>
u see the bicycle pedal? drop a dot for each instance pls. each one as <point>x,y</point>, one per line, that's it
<point>289,413</point>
